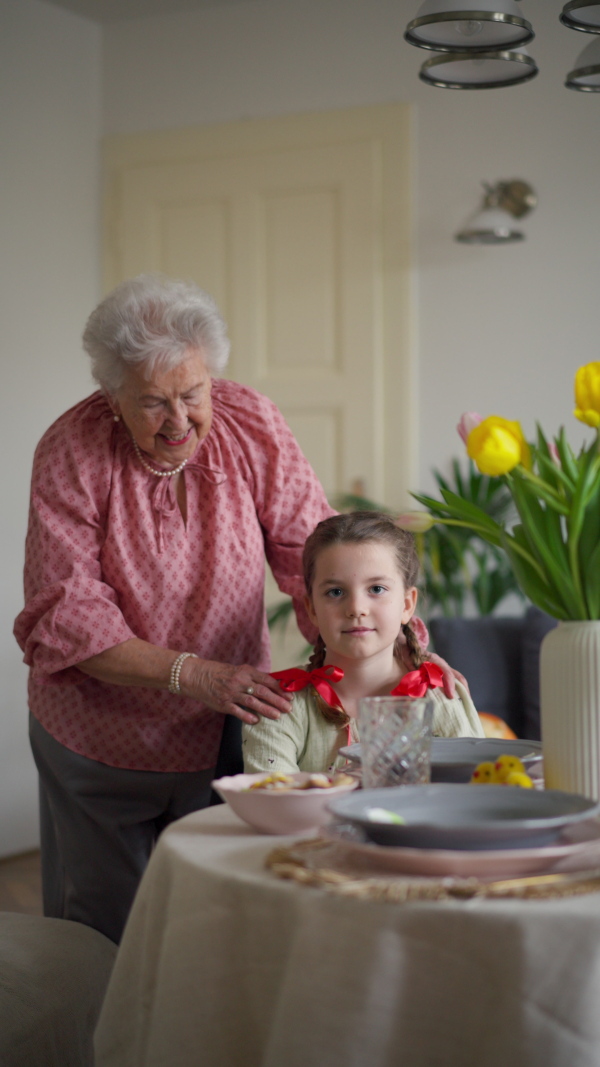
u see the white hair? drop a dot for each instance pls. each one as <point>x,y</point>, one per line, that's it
<point>153,320</point>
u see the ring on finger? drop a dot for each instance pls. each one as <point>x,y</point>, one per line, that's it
<point>249,690</point>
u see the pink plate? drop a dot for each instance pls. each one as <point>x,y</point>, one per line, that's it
<point>576,849</point>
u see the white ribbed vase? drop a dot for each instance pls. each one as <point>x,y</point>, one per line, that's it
<point>570,707</point>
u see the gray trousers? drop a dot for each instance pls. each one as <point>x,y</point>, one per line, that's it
<point>98,826</point>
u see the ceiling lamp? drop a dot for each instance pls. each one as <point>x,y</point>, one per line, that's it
<point>484,70</point>
<point>471,26</point>
<point>502,204</point>
<point>585,77</point>
<point>581,15</point>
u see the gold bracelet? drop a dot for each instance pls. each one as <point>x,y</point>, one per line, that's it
<point>174,686</point>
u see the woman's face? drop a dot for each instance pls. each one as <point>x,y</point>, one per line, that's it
<point>168,413</point>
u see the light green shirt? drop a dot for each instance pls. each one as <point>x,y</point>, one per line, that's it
<point>303,740</point>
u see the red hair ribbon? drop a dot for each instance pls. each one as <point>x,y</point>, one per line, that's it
<point>294,679</point>
<point>416,683</point>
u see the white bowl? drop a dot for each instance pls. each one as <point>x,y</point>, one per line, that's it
<point>274,812</point>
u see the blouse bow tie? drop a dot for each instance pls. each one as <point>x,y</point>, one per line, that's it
<point>294,679</point>
<point>416,683</point>
<point>164,499</point>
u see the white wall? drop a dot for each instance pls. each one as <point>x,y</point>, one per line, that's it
<point>500,330</point>
<point>49,132</point>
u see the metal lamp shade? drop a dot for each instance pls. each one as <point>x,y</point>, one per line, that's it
<point>581,15</point>
<point>585,76</point>
<point>472,26</point>
<point>488,70</point>
<point>492,226</point>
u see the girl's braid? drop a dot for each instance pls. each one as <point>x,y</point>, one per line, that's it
<point>317,658</point>
<point>335,715</point>
<point>414,649</point>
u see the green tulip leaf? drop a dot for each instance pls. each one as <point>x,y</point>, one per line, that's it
<point>563,483</point>
<point>533,586</point>
<point>548,549</point>
<point>464,509</point>
<point>591,575</point>
<point>547,466</point>
<point>567,456</point>
<point>586,486</point>
<point>590,532</point>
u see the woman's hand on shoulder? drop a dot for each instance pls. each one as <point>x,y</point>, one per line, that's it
<point>242,691</point>
<point>450,675</point>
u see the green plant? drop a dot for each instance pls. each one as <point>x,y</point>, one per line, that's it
<point>458,565</point>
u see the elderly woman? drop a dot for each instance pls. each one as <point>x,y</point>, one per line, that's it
<point>153,505</point>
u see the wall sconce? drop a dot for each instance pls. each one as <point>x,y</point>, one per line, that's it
<point>494,222</point>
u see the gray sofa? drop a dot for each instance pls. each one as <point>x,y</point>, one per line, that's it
<point>499,656</point>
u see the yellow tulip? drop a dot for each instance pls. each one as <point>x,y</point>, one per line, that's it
<point>497,445</point>
<point>587,394</point>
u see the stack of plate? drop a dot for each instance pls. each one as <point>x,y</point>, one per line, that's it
<point>453,759</point>
<point>482,831</point>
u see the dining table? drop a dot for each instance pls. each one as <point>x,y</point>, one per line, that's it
<point>224,963</point>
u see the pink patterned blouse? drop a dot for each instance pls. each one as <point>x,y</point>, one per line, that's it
<point>109,557</point>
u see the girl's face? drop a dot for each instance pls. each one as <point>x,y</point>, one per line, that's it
<point>358,599</point>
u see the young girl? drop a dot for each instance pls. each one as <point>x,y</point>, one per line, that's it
<point>360,571</point>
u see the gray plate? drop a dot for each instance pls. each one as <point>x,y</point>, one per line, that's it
<point>453,759</point>
<point>465,816</point>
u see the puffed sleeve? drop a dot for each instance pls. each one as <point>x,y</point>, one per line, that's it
<point>275,746</point>
<point>70,613</point>
<point>288,496</point>
<point>457,717</point>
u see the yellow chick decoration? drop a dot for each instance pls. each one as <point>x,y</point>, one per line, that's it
<point>506,765</point>
<point>507,770</point>
<point>518,778</point>
<point>484,774</point>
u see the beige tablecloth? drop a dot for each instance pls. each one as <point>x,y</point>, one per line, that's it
<point>224,965</point>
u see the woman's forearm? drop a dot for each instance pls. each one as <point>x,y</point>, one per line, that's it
<point>243,691</point>
<point>134,662</point>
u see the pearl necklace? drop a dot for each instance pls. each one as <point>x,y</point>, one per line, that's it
<point>159,474</point>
